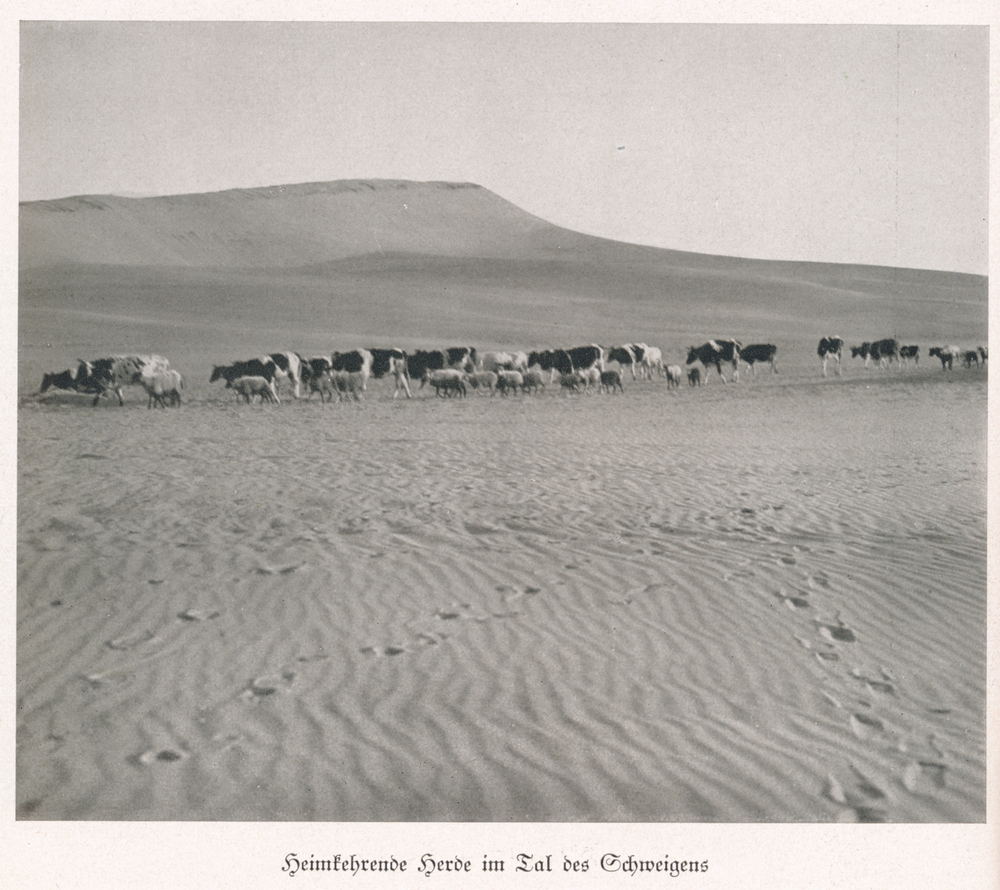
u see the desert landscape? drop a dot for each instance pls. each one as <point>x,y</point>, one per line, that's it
<point>756,602</point>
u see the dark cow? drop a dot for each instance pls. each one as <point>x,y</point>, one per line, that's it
<point>254,367</point>
<point>882,352</point>
<point>624,355</point>
<point>715,352</point>
<point>983,353</point>
<point>759,352</point>
<point>970,357</point>
<point>908,352</point>
<point>947,354</point>
<point>395,362</point>
<point>585,357</point>
<point>458,358</point>
<point>831,347</point>
<point>695,377</point>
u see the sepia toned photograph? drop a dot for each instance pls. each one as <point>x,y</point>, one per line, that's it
<point>488,422</point>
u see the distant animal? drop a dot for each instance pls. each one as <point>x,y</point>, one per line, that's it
<point>983,352</point>
<point>652,362</point>
<point>970,357</point>
<point>556,361</point>
<point>947,354</point>
<point>584,357</point>
<point>394,362</point>
<point>254,367</point>
<point>484,380</point>
<point>882,352</point>
<point>831,347</point>
<point>162,387</point>
<point>509,380</point>
<point>532,379</point>
<point>446,382</point>
<point>624,355</point>
<point>288,367</point>
<point>357,363</point>
<point>496,361</point>
<point>717,352</point>
<point>572,381</point>
<point>675,373</point>
<point>759,353</point>
<point>106,376</point>
<point>252,385</point>
<point>694,377</point>
<point>909,352</point>
<point>460,358</point>
<point>611,380</point>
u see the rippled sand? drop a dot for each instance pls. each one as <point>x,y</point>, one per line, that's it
<point>738,604</point>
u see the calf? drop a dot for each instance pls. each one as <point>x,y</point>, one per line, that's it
<point>694,377</point>
<point>652,361</point>
<point>970,357</point>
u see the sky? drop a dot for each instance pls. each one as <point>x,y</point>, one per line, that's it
<point>832,143</point>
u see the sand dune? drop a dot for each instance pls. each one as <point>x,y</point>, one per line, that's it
<point>746,603</point>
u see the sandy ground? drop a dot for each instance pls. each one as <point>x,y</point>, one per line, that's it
<point>752,603</point>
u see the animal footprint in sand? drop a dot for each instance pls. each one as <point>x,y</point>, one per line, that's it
<point>269,685</point>
<point>924,776</point>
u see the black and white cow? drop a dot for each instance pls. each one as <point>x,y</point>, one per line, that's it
<point>970,357</point>
<point>882,352</point>
<point>289,368</point>
<point>394,362</point>
<point>947,354</point>
<point>831,347</point>
<point>762,353</point>
<point>556,361</point>
<point>717,352</point>
<point>624,355</point>
<point>106,376</point>
<point>585,357</point>
<point>909,352</point>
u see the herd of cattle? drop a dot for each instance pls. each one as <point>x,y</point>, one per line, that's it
<point>453,371</point>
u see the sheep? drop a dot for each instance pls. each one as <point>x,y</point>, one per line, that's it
<point>249,386</point>
<point>163,387</point>
<point>482,380</point>
<point>512,380</point>
<point>446,382</point>
<point>675,374</point>
<point>533,380</point>
<point>611,380</point>
<point>694,377</point>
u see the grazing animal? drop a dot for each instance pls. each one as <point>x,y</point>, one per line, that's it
<point>908,352</point>
<point>675,373</point>
<point>482,380</point>
<point>162,387</point>
<point>624,355</point>
<point>970,357</point>
<point>947,354</point>
<point>759,352</point>
<point>460,358</point>
<point>446,382</point>
<point>652,362</point>
<point>509,380</point>
<point>288,367</point>
<point>252,385</point>
<point>105,376</point>
<point>831,347</point>
<point>255,367</point>
<point>717,352</point>
<point>533,379</point>
<point>572,381</point>
<point>611,380</point>
<point>694,377</point>
<point>392,361</point>
<point>882,352</point>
